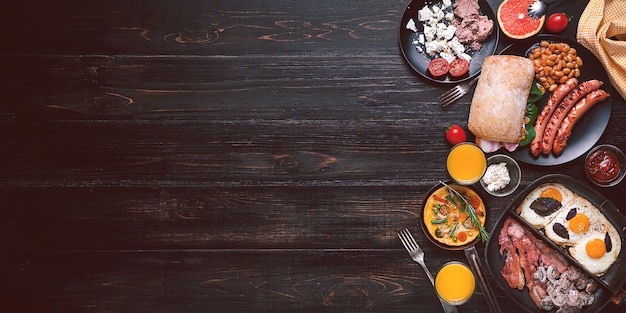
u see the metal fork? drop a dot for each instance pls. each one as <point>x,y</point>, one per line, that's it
<point>417,254</point>
<point>457,92</point>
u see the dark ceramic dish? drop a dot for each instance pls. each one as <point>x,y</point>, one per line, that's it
<point>610,283</point>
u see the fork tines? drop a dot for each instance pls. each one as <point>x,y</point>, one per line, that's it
<point>450,96</point>
<point>407,239</point>
<point>456,93</point>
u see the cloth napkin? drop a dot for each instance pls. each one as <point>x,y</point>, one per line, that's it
<point>602,30</point>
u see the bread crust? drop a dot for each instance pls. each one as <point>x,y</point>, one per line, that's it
<point>499,102</point>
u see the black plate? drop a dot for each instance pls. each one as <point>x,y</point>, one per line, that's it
<point>610,282</point>
<point>590,128</point>
<point>430,237</point>
<point>419,61</point>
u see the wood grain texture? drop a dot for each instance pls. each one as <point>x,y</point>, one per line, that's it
<point>223,156</point>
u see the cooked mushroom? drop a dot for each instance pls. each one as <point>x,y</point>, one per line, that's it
<point>552,273</point>
<point>574,299</point>
<point>572,273</point>
<point>558,298</point>
<point>468,223</point>
<point>541,274</point>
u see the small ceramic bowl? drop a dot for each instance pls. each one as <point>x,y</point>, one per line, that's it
<point>515,174</point>
<point>612,169</point>
<point>429,229</point>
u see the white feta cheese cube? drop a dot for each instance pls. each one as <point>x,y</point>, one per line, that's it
<point>410,25</point>
<point>431,47</point>
<point>448,56</point>
<point>465,56</point>
<point>441,28</point>
<point>430,33</point>
<point>439,15</point>
<point>448,33</point>
<point>424,14</point>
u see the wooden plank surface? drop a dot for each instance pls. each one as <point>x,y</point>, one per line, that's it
<point>223,156</point>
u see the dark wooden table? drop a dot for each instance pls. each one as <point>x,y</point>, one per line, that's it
<point>223,156</point>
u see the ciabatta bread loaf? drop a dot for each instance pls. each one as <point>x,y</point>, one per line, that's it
<point>499,103</point>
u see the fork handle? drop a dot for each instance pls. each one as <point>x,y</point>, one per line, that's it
<point>447,307</point>
<point>430,276</point>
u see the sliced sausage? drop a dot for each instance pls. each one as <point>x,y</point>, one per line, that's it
<point>565,129</point>
<point>561,112</point>
<point>546,112</point>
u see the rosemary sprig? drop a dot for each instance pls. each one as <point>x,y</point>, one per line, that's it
<point>471,211</point>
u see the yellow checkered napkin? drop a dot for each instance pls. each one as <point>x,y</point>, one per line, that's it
<point>602,30</point>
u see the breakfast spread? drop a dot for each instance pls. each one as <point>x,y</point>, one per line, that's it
<point>454,215</point>
<point>561,246</point>
<point>574,223</point>
<point>552,282</point>
<point>497,118</point>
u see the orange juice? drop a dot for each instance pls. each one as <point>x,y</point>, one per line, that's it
<point>455,283</point>
<point>466,163</point>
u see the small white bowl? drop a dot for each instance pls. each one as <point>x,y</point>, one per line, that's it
<point>515,173</point>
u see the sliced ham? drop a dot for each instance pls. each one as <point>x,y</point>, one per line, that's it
<point>489,146</point>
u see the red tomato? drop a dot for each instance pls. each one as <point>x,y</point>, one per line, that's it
<point>459,67</point>
<point>438,67</point>
<point>557,23</point>
<point>462,236</point>
<point>455,134</point>
<point>475,202</point>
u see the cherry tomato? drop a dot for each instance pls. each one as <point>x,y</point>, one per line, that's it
<point>438,67</point>
<point>455,134</point>
<point>557,22</point>
<point>459,67</point>
<point>462,236</point>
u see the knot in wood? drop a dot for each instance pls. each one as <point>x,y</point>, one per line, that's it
<point>198,32</point>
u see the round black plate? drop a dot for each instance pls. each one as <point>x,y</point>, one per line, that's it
<point>590,128</point>
<point>419,61</point>
<point>430,237</point>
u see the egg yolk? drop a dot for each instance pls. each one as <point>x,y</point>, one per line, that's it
<point>579,223</point>
<point>595,248</point>
<point>551,193</point>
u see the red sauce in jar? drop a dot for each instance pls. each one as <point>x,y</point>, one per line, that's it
<point>603,165</point>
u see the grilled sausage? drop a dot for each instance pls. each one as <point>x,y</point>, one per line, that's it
<point>546,112</point>
<point>561,112</point>
<point>565,129</point>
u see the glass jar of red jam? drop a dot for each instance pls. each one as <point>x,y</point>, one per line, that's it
<point>604,165</point>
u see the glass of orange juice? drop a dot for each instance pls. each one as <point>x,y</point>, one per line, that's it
<point>455,283</point>
<point>466,163</point>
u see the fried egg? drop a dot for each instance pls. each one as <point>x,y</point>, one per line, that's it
<point>551,194</point>
<point>576,221</point>
<point>597,252</point>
